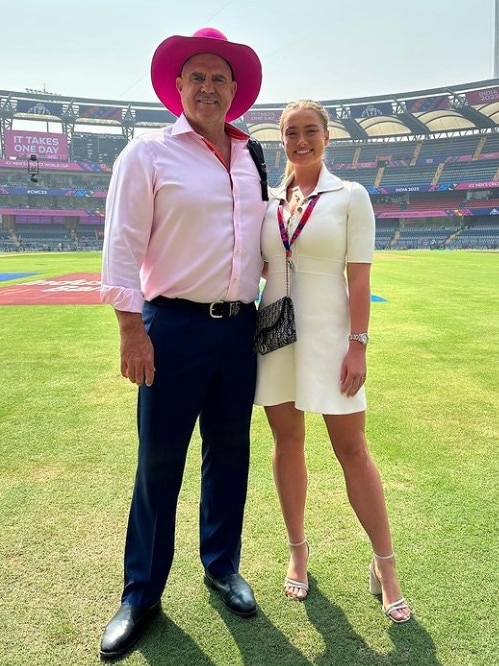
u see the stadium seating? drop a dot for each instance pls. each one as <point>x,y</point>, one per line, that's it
<point>431,186</point>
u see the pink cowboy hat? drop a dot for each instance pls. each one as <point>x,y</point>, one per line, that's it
<point>171,55</point>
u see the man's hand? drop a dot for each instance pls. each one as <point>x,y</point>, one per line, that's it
<point>136,350</point>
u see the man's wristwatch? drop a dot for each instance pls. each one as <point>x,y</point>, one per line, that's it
<point>363,338</point>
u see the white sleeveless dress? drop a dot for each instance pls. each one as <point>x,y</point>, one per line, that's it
<point>340,230</point>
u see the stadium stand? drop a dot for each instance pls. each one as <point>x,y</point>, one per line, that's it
<point>429,159</point>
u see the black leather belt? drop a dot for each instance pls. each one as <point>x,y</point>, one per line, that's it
<point>216,310</point>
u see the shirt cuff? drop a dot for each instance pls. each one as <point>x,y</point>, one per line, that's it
<point>122,298</point>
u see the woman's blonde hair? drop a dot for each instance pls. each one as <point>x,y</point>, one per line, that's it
<point>300,105</point>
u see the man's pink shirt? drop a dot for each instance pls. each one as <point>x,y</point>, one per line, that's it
<point>178,224</point>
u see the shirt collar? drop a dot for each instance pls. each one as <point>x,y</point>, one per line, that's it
<point>182,126</point>
<point>327,182</point>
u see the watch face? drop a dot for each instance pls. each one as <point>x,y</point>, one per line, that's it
<point>363,338</point>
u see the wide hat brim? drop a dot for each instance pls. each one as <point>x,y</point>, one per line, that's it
<point>172,53</point>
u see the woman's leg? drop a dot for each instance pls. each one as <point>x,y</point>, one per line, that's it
<point>290,475</point>
<point>365,493</point>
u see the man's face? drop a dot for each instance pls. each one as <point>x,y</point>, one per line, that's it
<point>206,88</point>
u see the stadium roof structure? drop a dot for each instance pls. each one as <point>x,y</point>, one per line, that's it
<point>450,111</point>
<point>454,110</point>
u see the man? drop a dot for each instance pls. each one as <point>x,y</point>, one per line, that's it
<point>181,267</point>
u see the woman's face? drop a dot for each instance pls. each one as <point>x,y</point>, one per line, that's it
<point>304,137</point>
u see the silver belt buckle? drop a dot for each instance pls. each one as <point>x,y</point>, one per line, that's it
<point>233,309</point>
<point>212,313</point>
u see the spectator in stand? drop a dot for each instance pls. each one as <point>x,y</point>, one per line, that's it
<point>181,267</point>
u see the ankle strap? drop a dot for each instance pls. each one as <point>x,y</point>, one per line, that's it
<point>294,545</point>
<point>384,557</point>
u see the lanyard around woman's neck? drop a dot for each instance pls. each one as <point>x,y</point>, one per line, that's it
<point>303,220</point>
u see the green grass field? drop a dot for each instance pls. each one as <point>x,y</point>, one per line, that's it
<point>67,461</point>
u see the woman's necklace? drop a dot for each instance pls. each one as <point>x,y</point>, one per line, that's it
<point>298,197</point>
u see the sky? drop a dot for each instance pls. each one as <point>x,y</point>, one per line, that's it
<point>324,50</point>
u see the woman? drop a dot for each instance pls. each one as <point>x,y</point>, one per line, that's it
<point>325,370</point>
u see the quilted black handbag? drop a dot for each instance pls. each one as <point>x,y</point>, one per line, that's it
<point>275,326</point>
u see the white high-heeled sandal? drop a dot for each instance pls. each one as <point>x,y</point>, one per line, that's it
<point>376,588</point>
<point>289,583</point>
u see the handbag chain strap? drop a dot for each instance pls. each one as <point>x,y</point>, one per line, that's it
<point>288,242</point>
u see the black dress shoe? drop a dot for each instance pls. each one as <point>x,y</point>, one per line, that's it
<point>125,628</point>
<point>236,594</point>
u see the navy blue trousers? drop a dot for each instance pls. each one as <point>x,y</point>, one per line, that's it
<point>206,369</point>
